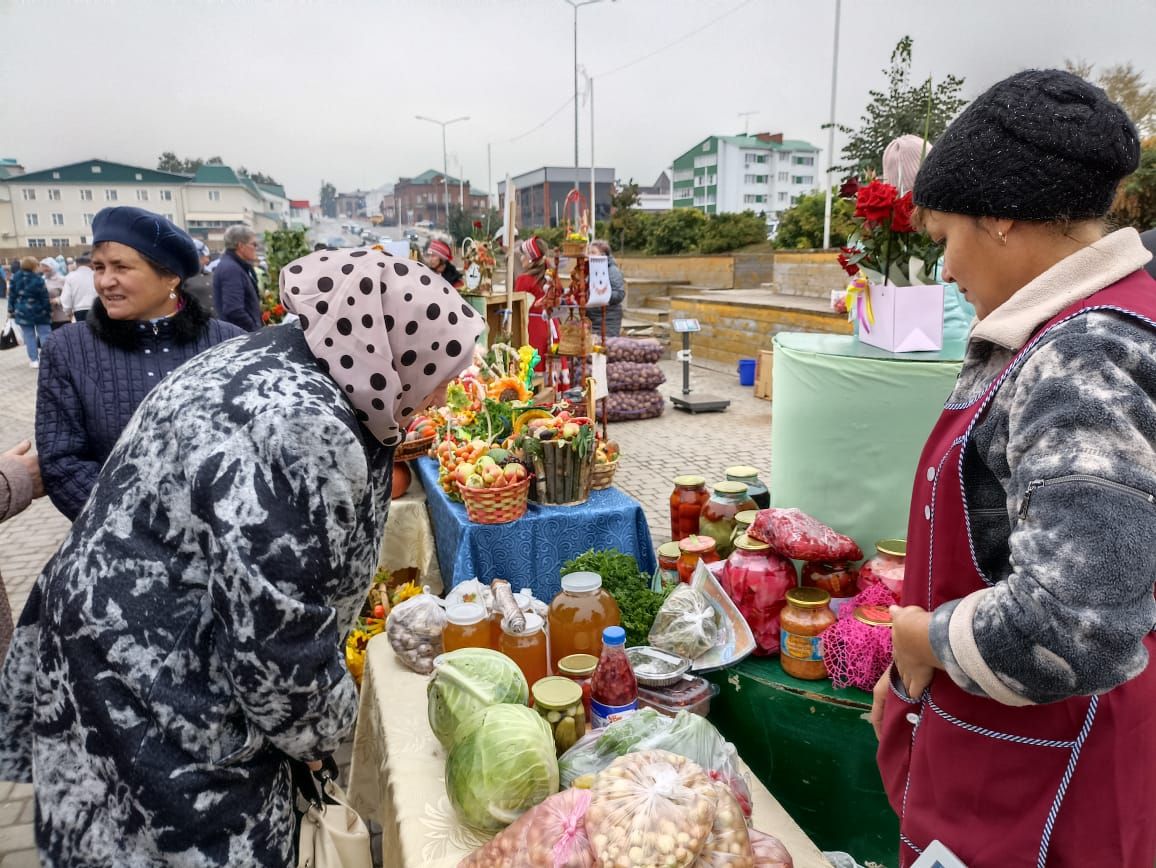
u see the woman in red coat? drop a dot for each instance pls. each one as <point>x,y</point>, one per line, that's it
<point>542,330</point>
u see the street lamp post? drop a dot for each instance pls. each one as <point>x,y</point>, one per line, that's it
<point>576,5</point>
<point>831,129</point>
<point>445,159</point>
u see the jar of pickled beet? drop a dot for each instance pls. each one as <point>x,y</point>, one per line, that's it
<point>717,519</point>
<point>692,550</point>
<point>886,568</point>
<point>757,579</point>
<point>686,503</point>
<point>802,624</point>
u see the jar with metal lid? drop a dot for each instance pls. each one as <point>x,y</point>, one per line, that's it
<point>466,627</point>
<point>559,701</point>
<point>757,579</point>
<point>686,503</point>
<point>578,615</point>
<point>749,476</point>
<point>886,568</point>
<point>692,550</point>
<point>579,668</point>
<point>803,621</point>
<point>526,647</point>
<point>668,555</point>
<point>743,521</point>
<point>717,519</point>
<point>837,578</point>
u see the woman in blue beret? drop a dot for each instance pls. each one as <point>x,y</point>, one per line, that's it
<point>143,326</point>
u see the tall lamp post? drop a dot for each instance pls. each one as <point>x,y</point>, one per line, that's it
<point>831,129</point>
<point>445,159</point>
<point>576,5</point>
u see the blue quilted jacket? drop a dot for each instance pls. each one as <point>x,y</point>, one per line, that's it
<point>93,375</point>
<point>28,299</point>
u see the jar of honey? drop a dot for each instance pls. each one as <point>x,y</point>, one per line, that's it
<point>466,627</point>
<point>578,615</point>
<point>668,554</point>
<point>717,519</point>
<point>756,488</point>
<point>686,503</point>
<point>743,521</point>
<point>886,568</point>
<point>803,621</point>
<point>527,647</point>
<point>692,550</point>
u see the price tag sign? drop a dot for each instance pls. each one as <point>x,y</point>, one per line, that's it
<point>598,366</point>
<point>686,325</point>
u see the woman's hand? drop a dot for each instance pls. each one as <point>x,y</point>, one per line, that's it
<point>22,452</point>
<point>878,697</point>
<point>911,649</point>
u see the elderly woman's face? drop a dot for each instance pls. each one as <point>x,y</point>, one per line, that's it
<point>128,286</point>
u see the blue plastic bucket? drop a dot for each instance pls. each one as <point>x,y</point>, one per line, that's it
<point>746,372</point>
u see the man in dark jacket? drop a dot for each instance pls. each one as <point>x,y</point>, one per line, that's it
<point>200,286</point>
<point>235,296</point>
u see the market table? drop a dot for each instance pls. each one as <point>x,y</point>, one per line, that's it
<point>848,425</point>
<point>408,541</point>
<point>530,552</point>
<point>398,778</point>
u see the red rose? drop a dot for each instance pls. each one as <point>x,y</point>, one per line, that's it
<point>901,220</point>
<point>477,224</point>
<point>876,202</point>
<point>850,188</point>
<point>845,254</point>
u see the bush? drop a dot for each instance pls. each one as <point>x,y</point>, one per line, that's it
<point>725,232</point>
<point>677,231</point>
<point>801,226</point>
<point>552,235</point>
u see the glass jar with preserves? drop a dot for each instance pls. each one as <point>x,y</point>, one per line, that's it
<point>749,476</point>
<point>743,521</point>
<point>614,689</point>
<point>668,554</point>
<point>805,618</point>
<point>717,519</point>
<point>466,627</point>
<point>837,578</point>
<point>692,550</point>
<point>559,701</point>
<point>886,568</point>
<point>686,503</point>
<point>579,668</point>
<point>578,615</point>
<point>526,647</point>
<point>757,579</point>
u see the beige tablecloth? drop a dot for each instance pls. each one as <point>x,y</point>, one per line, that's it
<point>408,541</point>
<point>398,777</point>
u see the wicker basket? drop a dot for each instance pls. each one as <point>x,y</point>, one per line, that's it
<point>574,336</point>
<point>561,477</point>
<point>573,248</point>
<point>495,505</point>
<point>603,475</point>
<point>411,449</point>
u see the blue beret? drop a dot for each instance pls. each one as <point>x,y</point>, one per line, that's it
<point>150,235</point>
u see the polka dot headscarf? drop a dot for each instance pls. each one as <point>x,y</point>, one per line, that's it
<point>389,331</point>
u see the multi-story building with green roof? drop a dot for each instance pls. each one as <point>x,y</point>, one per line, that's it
<point>763,173</point>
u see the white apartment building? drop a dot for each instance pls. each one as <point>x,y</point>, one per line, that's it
<point>729,174</point>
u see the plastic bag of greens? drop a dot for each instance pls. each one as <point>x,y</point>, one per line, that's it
<point>600,747</point>
<point>552,835</point>
<point>686,625</point>
<point>729,843</point>
<point>695,737</point>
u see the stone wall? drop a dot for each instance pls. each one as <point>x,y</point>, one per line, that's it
<point>713,271</point>
<point>812,273</point>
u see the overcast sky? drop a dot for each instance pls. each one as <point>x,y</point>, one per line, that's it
<point>311,89</point>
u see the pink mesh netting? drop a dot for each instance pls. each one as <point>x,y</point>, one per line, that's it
<point>856,654</point>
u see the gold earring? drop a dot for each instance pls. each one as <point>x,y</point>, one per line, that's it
<point>1002,236</point>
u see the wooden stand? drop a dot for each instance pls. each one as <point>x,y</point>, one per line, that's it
<point>496,303</point>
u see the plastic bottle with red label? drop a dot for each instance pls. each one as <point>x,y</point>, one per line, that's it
<point>614,689</point>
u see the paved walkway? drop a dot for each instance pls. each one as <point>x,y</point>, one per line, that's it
<point>653,453</point>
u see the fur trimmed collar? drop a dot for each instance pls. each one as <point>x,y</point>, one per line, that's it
<point>184,327</point>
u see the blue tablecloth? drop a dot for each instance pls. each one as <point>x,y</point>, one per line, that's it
<point>530,552</point>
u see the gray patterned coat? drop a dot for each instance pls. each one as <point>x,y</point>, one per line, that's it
<point>188,633</point>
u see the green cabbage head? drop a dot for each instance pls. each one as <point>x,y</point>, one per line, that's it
<point>501,765</point>
<point>468,680</point>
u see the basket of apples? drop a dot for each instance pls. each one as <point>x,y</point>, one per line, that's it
<point>605,463</point>
<point>493,494</point>
<point>419,436</point>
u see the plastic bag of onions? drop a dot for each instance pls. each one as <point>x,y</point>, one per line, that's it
<point>551,835</point>
<point>729,844</point>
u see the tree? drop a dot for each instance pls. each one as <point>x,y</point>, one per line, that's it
<point>725,232</point>
<point>1135,203</point>
<point>677,231</point>
<point>258,177</point>
<point>170,162</point>
<point>801,226</point>
<point>1124,85</point>
<point>627,228</point>
<point>328,199</point>
<point>924,109</point>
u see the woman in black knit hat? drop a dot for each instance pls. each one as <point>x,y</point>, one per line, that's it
<point>1018,722</point>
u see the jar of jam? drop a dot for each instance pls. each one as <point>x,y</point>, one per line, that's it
<point>757,579</point>
<point>614,689</point>
<point>686,503</point>
<point>466,627</point>
<point>579,668</point>
<point>692,550</point>
<point>837,578</point>
<point>668,555</point>
<point>559,701</point>
<point>717,519</point>
<point>526,647</point>
<point>886,568</point>
<point>743,521</point>
<point>803,621</point>
<point>578,615</point>
<point>749,476</point>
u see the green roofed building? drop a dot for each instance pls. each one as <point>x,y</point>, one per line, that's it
<point>762,172</point>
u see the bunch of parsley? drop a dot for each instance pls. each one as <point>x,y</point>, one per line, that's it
<point>630,588</point>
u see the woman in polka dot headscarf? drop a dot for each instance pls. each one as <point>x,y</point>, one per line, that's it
<point>187,638</point>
